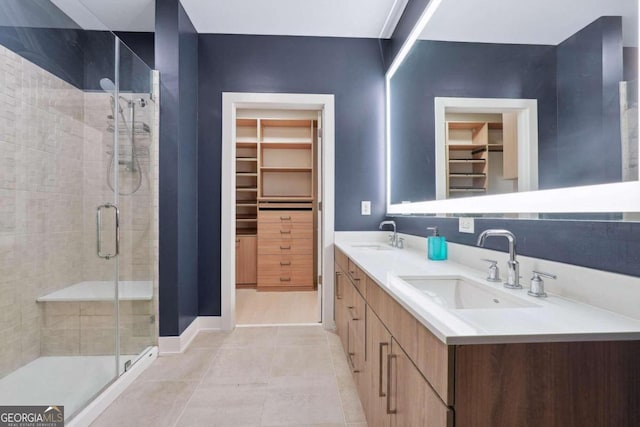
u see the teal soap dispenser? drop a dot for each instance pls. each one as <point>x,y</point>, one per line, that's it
<point>436,246</point>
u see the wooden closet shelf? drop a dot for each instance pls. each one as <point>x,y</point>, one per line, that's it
<point>281,169</point>
<point>298,145</point>
<point>467,175</point>
<point>466,161</point>
<point>246,174</point>
<point>467,190</point>
<point>246,219</point>
<point>246,205</point>
<point>246,144</point>
<point>246,189</point>
<point>246,159</point>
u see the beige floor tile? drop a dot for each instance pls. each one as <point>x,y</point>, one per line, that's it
<point>225,405</point>
<point>188,366</point>
<point>260,336</point>
<point>241,363</point>
<point>351,405</point>
<point>302,400</point>
<point>209,339</point>
<point>153,404</point>
<point>340,363</point>
<point>302,360</point>
<point>356,424</point>
<point>301,335</point>
<point>253,307</point>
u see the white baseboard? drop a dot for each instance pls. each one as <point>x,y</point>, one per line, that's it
<point>179,344</point>
<point>111,393</point>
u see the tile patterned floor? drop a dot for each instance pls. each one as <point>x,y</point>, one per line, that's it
<point>254,376</point>
<point>260,308</point>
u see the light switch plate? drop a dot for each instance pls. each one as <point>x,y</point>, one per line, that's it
<point>466,225</point>
<point>365,207</point>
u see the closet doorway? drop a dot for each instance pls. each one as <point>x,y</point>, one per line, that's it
<point>276,182</point>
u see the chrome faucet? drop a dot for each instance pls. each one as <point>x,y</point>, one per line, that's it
<point>393,239</point>
<point>513,266</point>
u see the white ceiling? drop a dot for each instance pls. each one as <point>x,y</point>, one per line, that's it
<point>328,18</point>
<point>526,21</point>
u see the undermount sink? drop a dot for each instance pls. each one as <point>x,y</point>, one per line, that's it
<point>455,292</point>
<point>372,246</point>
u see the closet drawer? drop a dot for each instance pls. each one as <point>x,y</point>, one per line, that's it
<point>276,278</point>
<point>285,263</point>
<point>286,231</point>
<point>285,217</point>
<point>284,247</point>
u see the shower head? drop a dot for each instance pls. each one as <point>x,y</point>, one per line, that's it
<point>107,85</point>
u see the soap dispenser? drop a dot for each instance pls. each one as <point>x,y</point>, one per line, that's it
<point>436,246</point>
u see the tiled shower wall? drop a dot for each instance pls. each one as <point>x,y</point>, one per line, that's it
<point>41,227</point>
<point>53,174</point>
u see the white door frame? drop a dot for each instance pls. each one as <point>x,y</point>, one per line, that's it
<point>231,101</point>
<point>527,110</point>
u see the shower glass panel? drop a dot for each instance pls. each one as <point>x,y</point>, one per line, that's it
<point>77,231</point>
<point>132,165</point>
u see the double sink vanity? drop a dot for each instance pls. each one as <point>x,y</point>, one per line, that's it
<point>434,343</point>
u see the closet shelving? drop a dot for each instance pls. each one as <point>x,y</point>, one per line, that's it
<point>467,150</point>
<point>286,160</point>
<point>246,176</point>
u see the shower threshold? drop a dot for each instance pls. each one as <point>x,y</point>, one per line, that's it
<point>72,381</point>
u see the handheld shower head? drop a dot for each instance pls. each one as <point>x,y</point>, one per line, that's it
<point>107,85</point>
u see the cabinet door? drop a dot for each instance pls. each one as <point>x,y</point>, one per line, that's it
<point>378,350</point>
<point>412,401</point>
<point>357,344</point>
<point>246,260</point>
<point>340,306</point>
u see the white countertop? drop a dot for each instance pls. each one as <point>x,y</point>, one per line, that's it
<point>553,318</point>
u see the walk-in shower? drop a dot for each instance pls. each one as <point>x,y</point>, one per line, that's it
<point>78,229</point>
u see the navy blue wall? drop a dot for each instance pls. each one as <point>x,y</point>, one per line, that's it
<point>176,45</point>
<point>590,68</point>
<point>472,70</point>
<point>141,43</point>
<point>349,68</point>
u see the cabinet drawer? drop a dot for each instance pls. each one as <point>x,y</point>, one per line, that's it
<point>278,278</point>
<point>286,263</point>
<point>294,230</point>
<point>357,277</point>
<point>341,260</point>
<point>285,217</point>
<point>284,246</point>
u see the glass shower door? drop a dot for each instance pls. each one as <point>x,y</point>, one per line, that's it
<point>137,151</point>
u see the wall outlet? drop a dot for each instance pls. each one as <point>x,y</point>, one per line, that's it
<point>466,225</point>
<point>365,207</point>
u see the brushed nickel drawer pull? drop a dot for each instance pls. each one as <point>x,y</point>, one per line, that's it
<point>350,354</point>
<point>389,360</point>
<point>338,294</point>
<point>352,311</point>
<point>285,263</point>
<point>285,247</point>
<point>285,231</point>
<point>285,279</point>
<point>285,218</point>
<point>381,392</point>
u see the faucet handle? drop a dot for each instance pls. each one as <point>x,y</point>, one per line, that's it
<point>537,284</point>
<point>543,274</point>
<point>494,271</point>
<point>400,243</point>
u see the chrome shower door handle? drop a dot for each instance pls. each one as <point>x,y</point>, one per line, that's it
<point>99,230</point>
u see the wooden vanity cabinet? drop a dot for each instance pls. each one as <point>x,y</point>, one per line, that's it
<point>407,377</point>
